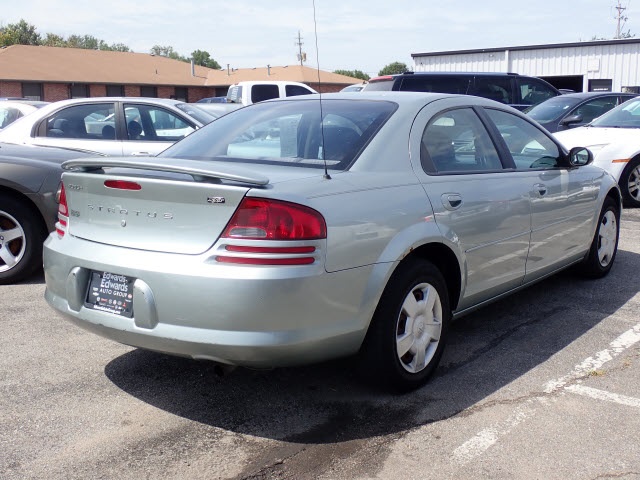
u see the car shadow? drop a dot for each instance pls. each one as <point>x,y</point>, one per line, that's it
<point>327,403</point>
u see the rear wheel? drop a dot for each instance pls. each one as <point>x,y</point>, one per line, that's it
<point>409,328</point>
<point>605,242</point>
<point>21,237</point>
<point>630,183</point>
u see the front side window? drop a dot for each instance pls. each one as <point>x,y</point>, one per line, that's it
<point>533,91</point>
<point>146,122</point>
<point>295,90</point>
<point>456,141</point>
<point>92,122</point>
<point>592,109</point>
<point>529,146</point>
<point>289,133</point>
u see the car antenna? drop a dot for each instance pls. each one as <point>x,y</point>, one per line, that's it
<point>326,175</point>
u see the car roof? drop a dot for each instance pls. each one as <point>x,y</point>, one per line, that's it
<point>581,95</point>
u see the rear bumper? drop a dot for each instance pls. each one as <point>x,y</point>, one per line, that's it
<point>185,305</point>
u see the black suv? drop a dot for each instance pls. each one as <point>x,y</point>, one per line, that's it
<point>519,91</point>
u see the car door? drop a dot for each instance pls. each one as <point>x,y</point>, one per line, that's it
<point>150,129</point>
<point>87,126</point>
<point>587,111</point>
<point>479,206</point>
<point>562,199</point>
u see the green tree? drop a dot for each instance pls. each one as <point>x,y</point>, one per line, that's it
<point>119,47</point>
<point>393,68</point>
<point>203,58</point>
<point>88,42</point>
<point>353,73</point>
<point>167,51</point>
<point>21,33</point>
<point>53,40</point>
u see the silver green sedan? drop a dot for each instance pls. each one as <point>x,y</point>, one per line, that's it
<point>300,230</point>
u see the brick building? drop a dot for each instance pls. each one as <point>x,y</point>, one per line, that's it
<point>54,73</point>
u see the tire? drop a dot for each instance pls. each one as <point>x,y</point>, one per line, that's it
<point>605,242</point>
<point>630,184</point>
<point>21,237</point>
<point>402,350</point>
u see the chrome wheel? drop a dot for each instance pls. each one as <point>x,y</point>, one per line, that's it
<point>633,183</point>
<point>607,238</point>
<point>13,242</point>
<point>419,327</point>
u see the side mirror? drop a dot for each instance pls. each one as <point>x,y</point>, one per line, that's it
<point>580,156</point>
<point>571,119</point>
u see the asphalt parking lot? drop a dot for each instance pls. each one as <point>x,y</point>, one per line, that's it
<point>542,385</point>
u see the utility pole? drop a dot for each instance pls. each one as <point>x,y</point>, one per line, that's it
<point>302,56</point>
<point>621,19</point>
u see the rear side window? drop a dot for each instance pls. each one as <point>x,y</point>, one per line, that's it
<point>456,141</point>
<point>459,84</point>
<point>493,88</point>
<point>96,121</point>
<point>260,93</point>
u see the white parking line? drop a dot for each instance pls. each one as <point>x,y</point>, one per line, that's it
<point>487,437</point>
<point>602,395</point>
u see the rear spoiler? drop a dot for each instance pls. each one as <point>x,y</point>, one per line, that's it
<point>197,169</point>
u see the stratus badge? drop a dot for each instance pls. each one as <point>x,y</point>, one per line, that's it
<point>216,200</point>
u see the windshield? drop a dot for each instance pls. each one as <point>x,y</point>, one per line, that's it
<point>195,112</point>
<point>289,133</point>
<point>551,109</point>
<point>626,115</point>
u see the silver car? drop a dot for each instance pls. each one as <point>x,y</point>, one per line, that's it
<point>299,230</point>
<point>109,125</point>
<point>29,180</point>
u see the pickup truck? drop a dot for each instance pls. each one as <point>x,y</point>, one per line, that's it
<point>249,92</point>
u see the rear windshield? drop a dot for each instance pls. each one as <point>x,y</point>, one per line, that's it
<point>379,85</point>
<point>289,133</point>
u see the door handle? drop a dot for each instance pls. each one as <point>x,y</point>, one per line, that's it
<point>140,154</point>
<point>541,188</point>
<point>451,201</point>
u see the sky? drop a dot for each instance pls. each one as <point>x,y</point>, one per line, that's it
<point>337,34</point>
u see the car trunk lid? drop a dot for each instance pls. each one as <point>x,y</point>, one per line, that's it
<point>165,205</point>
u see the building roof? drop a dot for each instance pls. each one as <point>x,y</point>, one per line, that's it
<point>76,65</point>
<point>530,47</point>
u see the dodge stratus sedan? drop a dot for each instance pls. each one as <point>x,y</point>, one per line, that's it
<point>299,230</point>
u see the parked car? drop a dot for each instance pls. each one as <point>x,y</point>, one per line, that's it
<point>110,125</point>
<point>519,91</point>
<point>614,140</point>
<point>273,238</point>
<point>213,100</point>
<point>573,110</point>
<point>12,110</point>
<point>353,88</point>
<point>247,93</point>
<point>218,109</point>
<point>29,180</point>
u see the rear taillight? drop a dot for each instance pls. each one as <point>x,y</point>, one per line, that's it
<point>275,220</point>
<point>265,219</point>
<point>63,211</point>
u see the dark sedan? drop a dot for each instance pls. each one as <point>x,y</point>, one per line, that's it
<point>29,180</point>
<point>575,109</point>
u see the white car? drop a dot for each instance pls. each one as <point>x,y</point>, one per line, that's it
<point>114,126</point>
<point>12,110</point>
<point>614,140</point>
